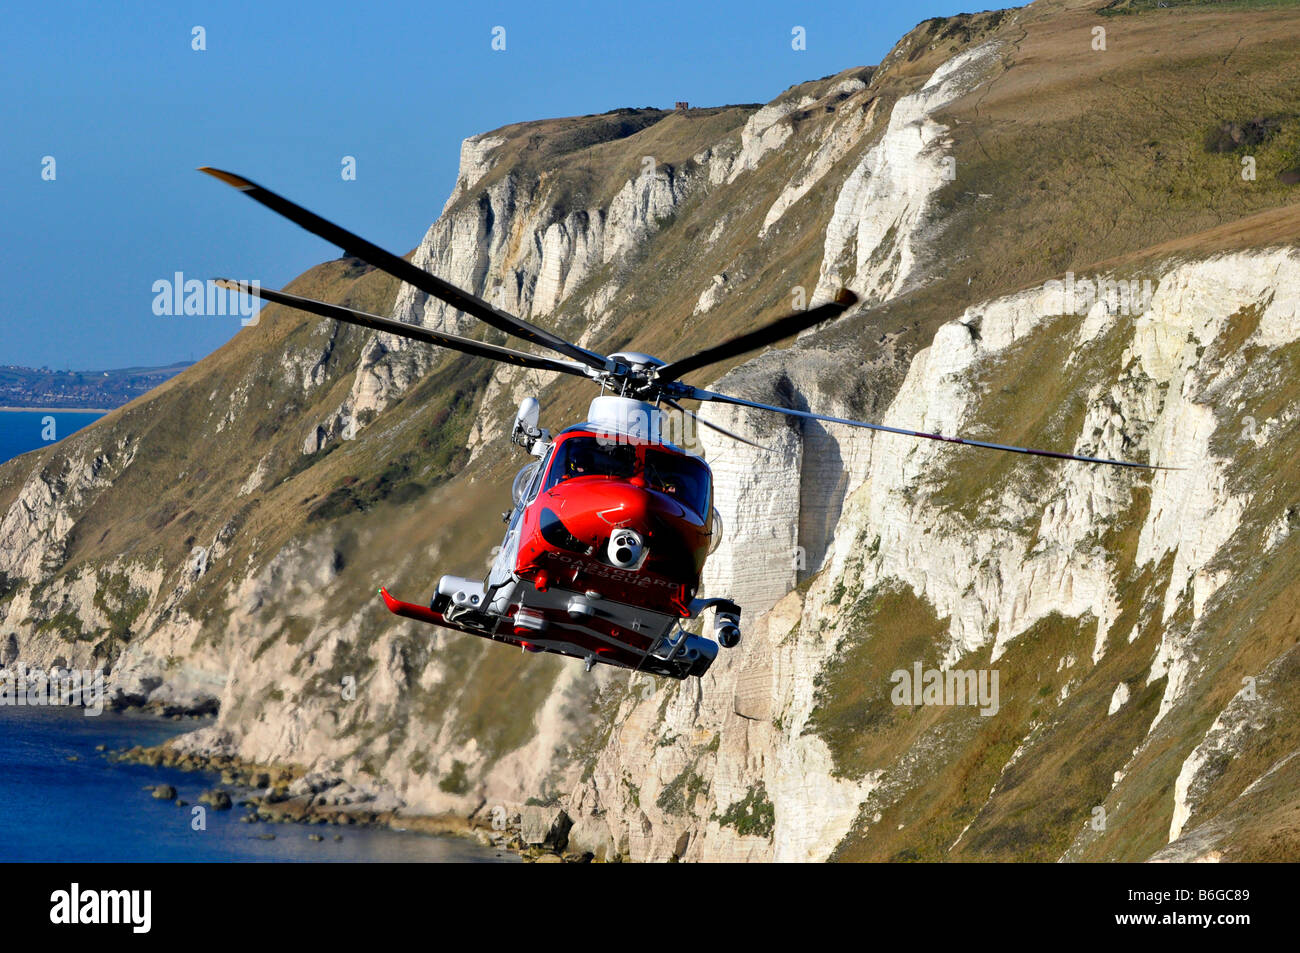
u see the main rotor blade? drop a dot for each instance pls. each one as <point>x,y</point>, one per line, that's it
<point>413,331</point>
<point>699,394</point>
<point>778,330</point>
<point>722,430</point>
<point>358,247</point>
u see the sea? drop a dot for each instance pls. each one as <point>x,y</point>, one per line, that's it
<point>24,430</point>
<point>63,800</point>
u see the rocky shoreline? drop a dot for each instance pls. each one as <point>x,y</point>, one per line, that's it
<point>280,794</point>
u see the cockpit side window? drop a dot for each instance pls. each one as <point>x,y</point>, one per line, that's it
<point>535,484</point>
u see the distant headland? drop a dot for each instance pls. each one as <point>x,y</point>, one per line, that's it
<point>42,389</point>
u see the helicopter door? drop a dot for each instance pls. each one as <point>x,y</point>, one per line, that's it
<point>527,483</point>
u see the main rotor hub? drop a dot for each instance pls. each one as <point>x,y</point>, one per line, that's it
<point>637,361</point>
<point>639,380</point>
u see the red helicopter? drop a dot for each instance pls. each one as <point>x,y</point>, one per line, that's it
<point>611,526</point>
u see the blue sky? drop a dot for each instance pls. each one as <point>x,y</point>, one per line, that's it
<point>127,109</point>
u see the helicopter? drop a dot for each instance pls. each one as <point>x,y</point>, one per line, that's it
<point>611,524</point>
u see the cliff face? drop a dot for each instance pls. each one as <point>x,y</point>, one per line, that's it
<point>217,542</point>
<point>802,718</point>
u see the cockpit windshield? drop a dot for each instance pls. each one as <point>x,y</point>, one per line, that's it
<point>590,456</point>
<point>684,478</point>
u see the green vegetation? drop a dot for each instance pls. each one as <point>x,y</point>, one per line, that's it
<point>456,780</point>
<point>633,792</point>
<point>600,711</point>
<point>1031,408</point>
<point>890,629</point>
<point>752,816</point>
<point>961,30</point>
<point>502,677</point>
<point>438,452</point>
<point>9,585</point>
<point>64,623</point>
<point>678,795</point>
<point>351,660</point>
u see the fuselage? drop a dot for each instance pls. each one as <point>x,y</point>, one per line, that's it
<point>602,557</point>
<point>591,488</point>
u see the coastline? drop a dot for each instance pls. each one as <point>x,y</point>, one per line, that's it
<point>57,410</point>
<point>269,795</point>
<point>67,797</point>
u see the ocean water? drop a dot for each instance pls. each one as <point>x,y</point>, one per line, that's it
<point>61,800</point>
<point>91,809</point>
<point>24,430</point>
